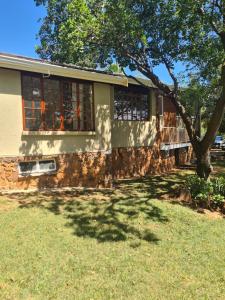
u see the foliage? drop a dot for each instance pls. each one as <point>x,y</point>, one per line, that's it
<point>134,32</point>
<point>200,98</point>
<point>67,32</point>
<point>114,68</point>
<point>207,193</point>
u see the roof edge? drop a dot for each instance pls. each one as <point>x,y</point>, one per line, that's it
<point>45,67</point>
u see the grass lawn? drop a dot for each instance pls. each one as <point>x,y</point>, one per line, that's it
<point>121,244</point>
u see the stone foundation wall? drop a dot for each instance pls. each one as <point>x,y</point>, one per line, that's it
<point>73,170</point>
<point>140,161</point>
<point>96,170</point>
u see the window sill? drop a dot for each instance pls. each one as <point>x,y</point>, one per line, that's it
<point>37,174</point>
<point>59,133</point>
<point>140,121</point>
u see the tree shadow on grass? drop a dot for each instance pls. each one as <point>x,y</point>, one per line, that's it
<point>158,186</point>
<point>125,213</point>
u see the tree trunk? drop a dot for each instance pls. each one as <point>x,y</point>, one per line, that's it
<point>204,167</point>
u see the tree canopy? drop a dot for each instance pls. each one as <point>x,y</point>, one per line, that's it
<point>142,34</point>
<point>134,32</point>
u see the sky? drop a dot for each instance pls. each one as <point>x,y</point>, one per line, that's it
<point>19,27</point>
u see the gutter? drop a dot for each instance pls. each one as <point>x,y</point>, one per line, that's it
<point>25,64</point>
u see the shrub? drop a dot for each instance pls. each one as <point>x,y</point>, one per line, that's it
<point>219,185</point>
<point>209,194</point>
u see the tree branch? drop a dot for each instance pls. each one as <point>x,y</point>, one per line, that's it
<point>175,81</point>
<point>167,92</point>
<point>216,117</point>
<point>213,25</point>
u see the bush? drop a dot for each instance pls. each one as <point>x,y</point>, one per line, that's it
<point>219,185</point>
<point>210,194</point>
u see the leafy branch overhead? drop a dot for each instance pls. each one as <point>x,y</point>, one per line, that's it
<point>139,34</point>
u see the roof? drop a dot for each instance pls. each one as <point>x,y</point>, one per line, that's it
<point>24,63</point>
<point>141,81</point>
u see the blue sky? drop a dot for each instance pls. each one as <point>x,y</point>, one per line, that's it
<point>19,26</point>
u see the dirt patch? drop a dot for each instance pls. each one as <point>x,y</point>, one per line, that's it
<point>211,214</point>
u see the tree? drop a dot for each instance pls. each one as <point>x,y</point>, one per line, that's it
<point>141,34</point>
<point>199,100</point>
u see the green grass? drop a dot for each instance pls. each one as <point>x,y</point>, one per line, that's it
<point>121,244</point>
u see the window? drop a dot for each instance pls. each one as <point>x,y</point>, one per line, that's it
<point>37,167</point>
<point>56,104</point>
<point>131,104</point>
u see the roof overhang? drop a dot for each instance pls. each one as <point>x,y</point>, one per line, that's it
<point>141,82</point>
<point>25,64</point>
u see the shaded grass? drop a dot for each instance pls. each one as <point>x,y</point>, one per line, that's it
<point>120,244</point>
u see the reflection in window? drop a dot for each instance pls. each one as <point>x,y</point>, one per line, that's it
<point>131,104</point>
<point>55,104</point>
<point>52,104</point>
<point>32,102</point>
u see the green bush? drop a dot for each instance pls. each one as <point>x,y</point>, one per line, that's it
<point>219,185</point>
<point>209,194</point>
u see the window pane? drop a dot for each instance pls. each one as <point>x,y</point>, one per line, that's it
<point>86,119</point>
<point>77,103</point>
<point>28,167</point>
<point>47,165</point>
<point>52,104</point>
<point>28,113</point>
<point>33,119</point>
<point>69,104</point>
<point>31,87</point>
<point>131,104</point>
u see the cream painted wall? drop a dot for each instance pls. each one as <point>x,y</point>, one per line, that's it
<point>14,143</point>
<point>108,134</point>
<point>135,133</point>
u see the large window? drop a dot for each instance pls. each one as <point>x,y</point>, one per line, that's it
<point>131,104</point>
<point>56,104</point>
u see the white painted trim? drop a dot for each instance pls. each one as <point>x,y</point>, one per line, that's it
<point>167,147</point>
<point>61,133</point>
<point>23,64</point>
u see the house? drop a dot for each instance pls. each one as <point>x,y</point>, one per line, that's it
<point>65,126</point>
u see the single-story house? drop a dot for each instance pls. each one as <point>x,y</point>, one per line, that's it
<point>65,126</point>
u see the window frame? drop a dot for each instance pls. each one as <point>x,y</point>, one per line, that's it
<point>43,102</point>
<point>130,92</point>
<point>38,171</point>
